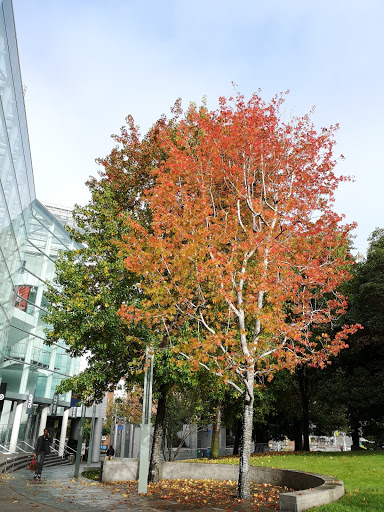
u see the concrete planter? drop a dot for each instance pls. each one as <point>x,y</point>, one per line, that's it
<point>310,490</point>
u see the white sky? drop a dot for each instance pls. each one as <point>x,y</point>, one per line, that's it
<point>87,64</point>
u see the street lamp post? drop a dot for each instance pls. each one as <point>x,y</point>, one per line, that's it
<point>80,442</point>
<point>90,445</point>
<point>122,444</point>
<point>146,425</point>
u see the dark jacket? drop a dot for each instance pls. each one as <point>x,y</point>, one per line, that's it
<point>43,445</point>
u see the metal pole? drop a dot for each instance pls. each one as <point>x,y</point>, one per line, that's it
<point>79,442</point>
<point>131,440</point>
<point>90,445</point>
<point>146,426</point>
<point>122,444</point>
<point>115,437</point>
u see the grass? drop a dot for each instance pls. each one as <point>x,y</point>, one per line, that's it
<point>91,474</point>
<point>362,474</point>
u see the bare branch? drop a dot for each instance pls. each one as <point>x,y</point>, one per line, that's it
<point>209,329</point>
<point>233,384</point>
<point>239,217</point>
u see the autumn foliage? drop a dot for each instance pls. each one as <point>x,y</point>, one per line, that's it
<point>243,239</point>
<point>200,495</point>
<point>243,244</point>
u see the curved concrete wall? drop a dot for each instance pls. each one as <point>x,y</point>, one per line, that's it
<point>310,490</point>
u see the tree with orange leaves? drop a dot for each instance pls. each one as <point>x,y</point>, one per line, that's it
<point>243,246</point>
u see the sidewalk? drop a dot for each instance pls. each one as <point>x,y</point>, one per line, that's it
<point>59,490</point>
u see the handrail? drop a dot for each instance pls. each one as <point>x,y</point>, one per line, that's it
<point>54,449</point>
<point>30,446</point>
<point>13,463</point>
<point>17,447</point>
<point>67,449</point>
<point>5,448</point>
<point>33,449</point>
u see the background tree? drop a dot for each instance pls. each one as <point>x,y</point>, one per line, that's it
<point>91,281</point>
<point>244,244</point>
<point>129,407</point>
<point>356,378</point>
<point>169,378</point>
<point>284,412</point>
<point>188,412</point>
<point>232,417</point>
<point>183,398</point>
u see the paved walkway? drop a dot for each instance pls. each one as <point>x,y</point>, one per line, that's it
<point>59,490</point>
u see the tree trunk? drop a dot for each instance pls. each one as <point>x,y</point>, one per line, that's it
<point>303,386</point>
<point>239,431</point>
<point>306,446</point>
<point>215,443</point>
<point>169,445</point>
<point>260,433</point>
<point>355,427</point>
<point>298,435</point>
<point>154,465</point>
<point>243,489</point>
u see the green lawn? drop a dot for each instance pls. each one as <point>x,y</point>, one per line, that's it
<point>91,474</point>
<point>362,474</point>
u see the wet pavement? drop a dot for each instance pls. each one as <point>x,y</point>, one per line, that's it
<point>59,490</point>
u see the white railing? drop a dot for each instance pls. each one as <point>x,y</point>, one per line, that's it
<point>28,446</point>
<point>18,449</point>
<point>4,449</point>
<point>9,460</point>
<point>67,449</point>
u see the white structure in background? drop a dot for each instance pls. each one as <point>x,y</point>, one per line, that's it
<point>62,213</point>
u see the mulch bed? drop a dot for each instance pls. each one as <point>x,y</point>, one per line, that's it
<point>188,494</point>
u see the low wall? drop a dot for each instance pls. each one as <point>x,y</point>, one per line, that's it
<point>310,490</point>
<point>120,470</point>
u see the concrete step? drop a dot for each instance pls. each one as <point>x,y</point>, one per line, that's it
<point>55,460</point>
<point>14,462</point>
<point>17,462</point>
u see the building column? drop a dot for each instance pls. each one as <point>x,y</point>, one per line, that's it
<point>26,366</point>
<point>97,439</point>
<point>131,438</point>
<point>43,419</point>
<point>75,430</point>
<point>16,427</point>
<point>63,432</point>
<point>51,367</point>
<point>5,417</point>
<point>192,437</point>
<point>36,427</point>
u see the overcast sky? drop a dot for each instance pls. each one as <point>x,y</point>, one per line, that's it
<point>87,64</point>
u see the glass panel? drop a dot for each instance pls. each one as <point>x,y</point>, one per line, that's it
<point>30,240</point>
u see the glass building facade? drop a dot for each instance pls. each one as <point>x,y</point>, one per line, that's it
<point>30,239</point>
